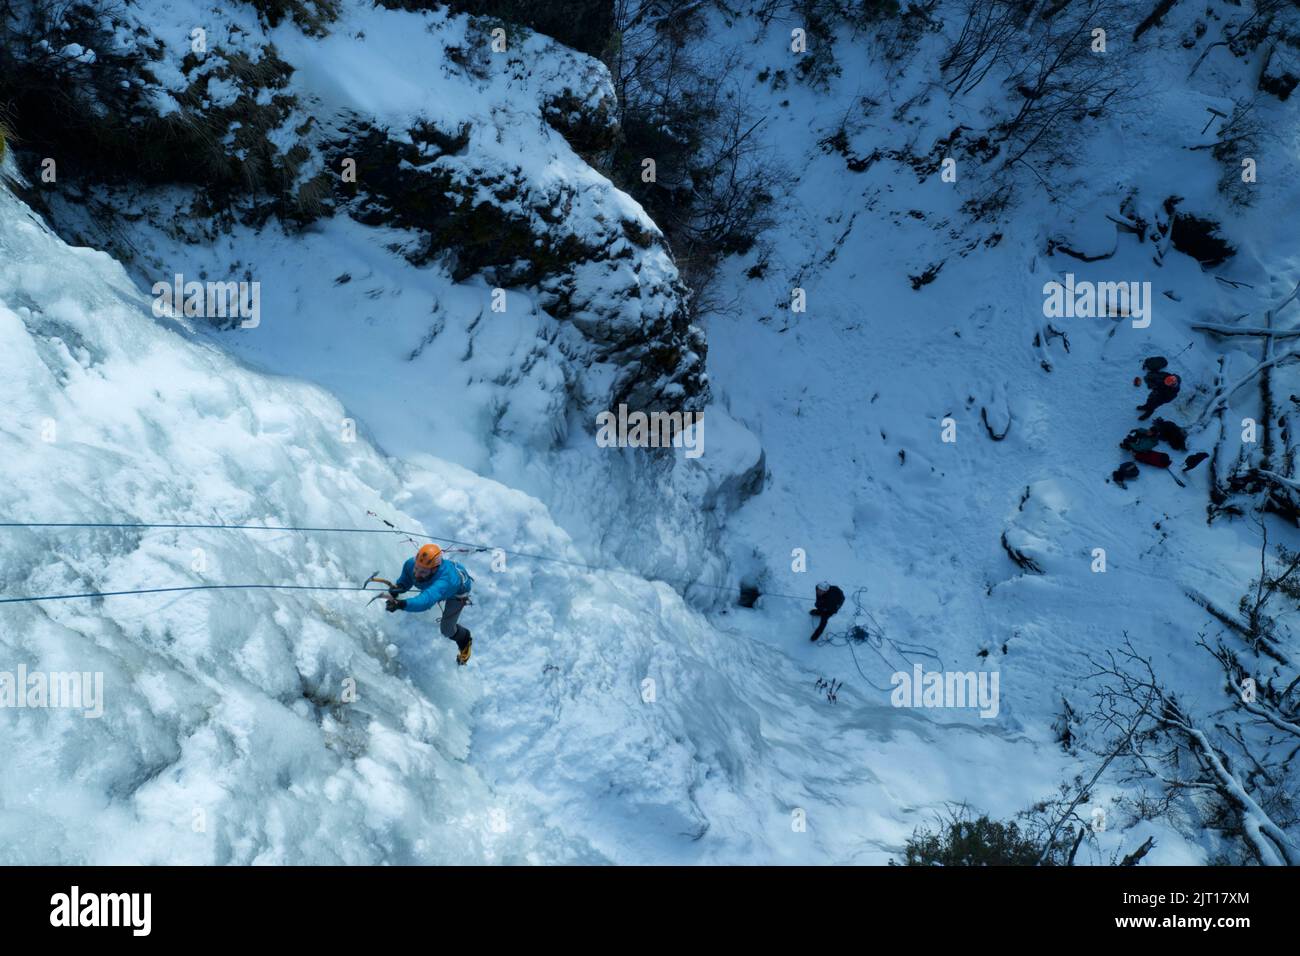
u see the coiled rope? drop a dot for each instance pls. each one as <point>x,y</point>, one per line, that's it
<point>865,631</point>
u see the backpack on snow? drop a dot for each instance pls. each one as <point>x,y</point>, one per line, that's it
<point>1125,472</point>
<point>1171,434</point>
<point>1156,459</point>
<point>1140,439</point>
<point>1155,363</point>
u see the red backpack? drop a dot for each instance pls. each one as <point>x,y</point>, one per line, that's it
<point>1156,459</point>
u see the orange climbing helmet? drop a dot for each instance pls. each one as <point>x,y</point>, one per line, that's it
<point>428,557</point>
<point>1171,380</point>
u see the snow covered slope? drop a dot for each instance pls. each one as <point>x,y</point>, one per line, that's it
<point>222,738</point>
<point>226,736</point>
<point>604,718</point>
<point>850,398</point>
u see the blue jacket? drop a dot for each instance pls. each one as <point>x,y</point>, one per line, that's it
<point>450,580</point>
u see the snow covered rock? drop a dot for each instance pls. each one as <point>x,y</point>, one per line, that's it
<point>1281,70</point>
<point>1087,238</point>
<point>478,148</point>
<point>1039,523</point>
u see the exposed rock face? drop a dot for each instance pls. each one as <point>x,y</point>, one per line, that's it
<point>492,176</point>
<point>1202,239</point>
<point>584,25</point>
<point>612,277</point>
<point>1281,71</point>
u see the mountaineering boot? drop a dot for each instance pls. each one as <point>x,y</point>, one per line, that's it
<point>465,642</point>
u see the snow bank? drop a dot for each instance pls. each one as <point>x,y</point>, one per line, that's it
<point>601,718</point>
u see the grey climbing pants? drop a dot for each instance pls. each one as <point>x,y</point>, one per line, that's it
<point>450,625</point>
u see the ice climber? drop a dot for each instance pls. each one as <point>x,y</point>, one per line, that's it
<point>437,579</point>
<point>829,600</point>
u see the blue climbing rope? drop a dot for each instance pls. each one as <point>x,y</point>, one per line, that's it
<point>869,634</point>
<point>308,529</point>
<point>192,587</point>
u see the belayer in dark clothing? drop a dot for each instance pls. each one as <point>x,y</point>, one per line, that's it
<point>1156,363</point>
<point>1164,386</point>
<point>437,579</point>
<point>1141,442</point>
<point>829,600</point>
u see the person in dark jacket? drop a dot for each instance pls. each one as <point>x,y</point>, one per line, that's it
<point>829,600</point>
<point>1164,386</point>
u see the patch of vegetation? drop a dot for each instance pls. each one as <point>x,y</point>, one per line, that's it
<point>688,149</point>
<point>311,16</point>
<point>97,115</point>
<point>963,839</point>
<point>591,131</point>
<point>401,184</point>
<point>584,25</point>
<point>1240,137</point>
<point>1198,237</point>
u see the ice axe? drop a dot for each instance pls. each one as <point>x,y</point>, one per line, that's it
<point>376,579</point>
